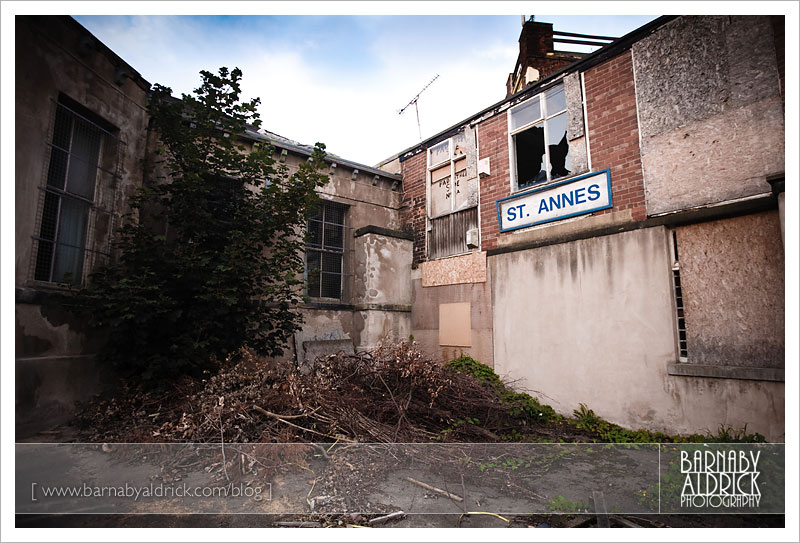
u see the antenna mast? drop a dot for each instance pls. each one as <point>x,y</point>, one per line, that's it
<point>414,101</point>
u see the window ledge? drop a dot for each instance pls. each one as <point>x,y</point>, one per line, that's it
<point>727,372</point>
<point>328,304</point>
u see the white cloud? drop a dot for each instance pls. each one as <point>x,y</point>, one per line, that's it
<point>309,94</point>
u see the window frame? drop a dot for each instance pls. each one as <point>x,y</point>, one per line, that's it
<point>52,192</point>
<point>544,118</point>
<point>322,249</point>
<point>452,159</point>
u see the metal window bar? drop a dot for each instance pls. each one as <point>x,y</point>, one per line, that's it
<point>82,170</point>
<point>683,351</point>
<point>325,248</point>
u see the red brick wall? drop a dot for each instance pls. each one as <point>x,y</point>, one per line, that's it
<point>614,132</point>
<point>413,207</point>
<point>614,144</point>
<point>493,143</point>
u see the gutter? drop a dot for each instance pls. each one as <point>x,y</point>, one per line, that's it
<point>305,151</point>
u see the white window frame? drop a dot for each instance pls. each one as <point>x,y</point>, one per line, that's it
<point>435,166</point>
<point>543,118</point>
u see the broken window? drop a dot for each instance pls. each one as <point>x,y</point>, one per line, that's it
<point>325,251</point>
<point>69,196</point>
<point>538,139</point>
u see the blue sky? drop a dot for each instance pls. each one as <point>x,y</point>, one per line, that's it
<point>341,79</point>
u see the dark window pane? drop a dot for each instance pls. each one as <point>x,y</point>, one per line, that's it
<point>314,233</point>
<point>44,257</point>
<point>57,172</point>
<point>73,221</point>
<point>334,236</point>
<point>49,216</point>
<point>331,285</point>
<point>332,262</point>
<point>529,147</point>
<point>334,214</point>
<point>68,267</point>
<point>313,270</point>
<point>83,162</point>
<point>63,128</point>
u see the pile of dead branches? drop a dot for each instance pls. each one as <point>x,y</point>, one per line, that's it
<point>393,394</point>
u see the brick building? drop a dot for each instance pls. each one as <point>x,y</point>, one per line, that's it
<point>611,234</point>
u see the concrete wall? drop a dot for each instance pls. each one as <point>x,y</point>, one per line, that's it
<point>382,289</point>
<point>592,321</point>
<point>711,110</point>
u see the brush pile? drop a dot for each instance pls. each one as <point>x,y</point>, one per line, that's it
<point>393,394</point>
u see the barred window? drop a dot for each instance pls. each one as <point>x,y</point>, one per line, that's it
<point>683,351</point>
<point>325,251</point>
<point>69,196</point>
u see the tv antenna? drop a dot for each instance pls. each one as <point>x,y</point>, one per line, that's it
<point>414,101</point>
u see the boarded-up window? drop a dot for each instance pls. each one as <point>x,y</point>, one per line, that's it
<point>448,234</point>
<point>453,194</point>
<point>441,191</point>
<point>732,290</point>
<point>455,325</point>
<point>452,174</point>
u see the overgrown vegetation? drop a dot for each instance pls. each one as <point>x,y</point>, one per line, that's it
<point>519,405</point>
<point>394,394</point>
<point>559,504</point>
<point>210,258</point>
<point>584,418</point>
<point>608,432</point>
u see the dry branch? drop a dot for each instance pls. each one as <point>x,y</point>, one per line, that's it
<point>434,489</point>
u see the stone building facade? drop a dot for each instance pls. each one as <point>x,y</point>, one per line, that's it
<point>83,147</point>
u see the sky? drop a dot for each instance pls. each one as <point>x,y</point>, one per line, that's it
<point>341,79</point>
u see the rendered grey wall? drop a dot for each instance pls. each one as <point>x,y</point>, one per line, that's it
<point>592,321</point>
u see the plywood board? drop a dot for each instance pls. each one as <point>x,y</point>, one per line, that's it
<point>469,268</point>
<point>454,324</point>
